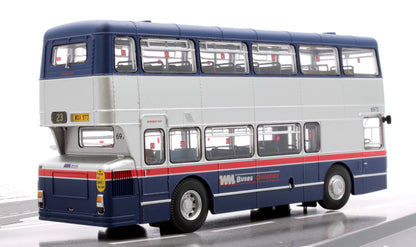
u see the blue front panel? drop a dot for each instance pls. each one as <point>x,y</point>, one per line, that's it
<point>375,165</point>
<point>374,175</point>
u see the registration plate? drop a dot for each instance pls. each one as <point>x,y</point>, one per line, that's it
<point>80,117</point>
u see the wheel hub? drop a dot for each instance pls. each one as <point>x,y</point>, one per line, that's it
<point>191,205</point>
<point>336,187</point>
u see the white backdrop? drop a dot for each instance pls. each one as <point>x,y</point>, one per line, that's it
<point>22,24</point>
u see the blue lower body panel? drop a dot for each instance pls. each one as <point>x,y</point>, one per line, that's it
<point>66,201</point>
<point>142,199</point>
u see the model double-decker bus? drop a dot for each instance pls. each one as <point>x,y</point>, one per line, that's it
<point>162,123</point>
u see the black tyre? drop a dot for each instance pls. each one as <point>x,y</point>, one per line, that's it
<point>189,207</point>
<point>337,188</point>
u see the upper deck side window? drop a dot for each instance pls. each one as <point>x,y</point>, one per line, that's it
<point>274,59</point>
<point>224,57</point>
<point>69,54</point>
<point>125,55</point>
<point>319,60</point>
<point>168,55</point>
<point>359,62</point>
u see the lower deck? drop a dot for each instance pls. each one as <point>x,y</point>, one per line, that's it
<point>144,196</point>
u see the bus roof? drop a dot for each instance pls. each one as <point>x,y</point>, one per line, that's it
<point>146,28</point>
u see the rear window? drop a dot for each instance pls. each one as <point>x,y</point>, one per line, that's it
<point>69,54</point>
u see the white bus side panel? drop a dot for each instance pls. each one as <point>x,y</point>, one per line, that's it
<point>178,97</point>
<point>227,100</point>
<point>277,98</point>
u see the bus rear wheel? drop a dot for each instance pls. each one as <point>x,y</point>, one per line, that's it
<point>189,207</point>
<point>337,188</point>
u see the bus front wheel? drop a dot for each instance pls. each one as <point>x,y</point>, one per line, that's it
<point>337,188</point>
<point>189,206</point>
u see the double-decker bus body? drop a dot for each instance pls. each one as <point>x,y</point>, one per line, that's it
<point>143,137</point>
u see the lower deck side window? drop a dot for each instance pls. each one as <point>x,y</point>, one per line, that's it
<point>279,139</point>
<point>185,145</point>
<point>229,142</point>
<point>312,137</point>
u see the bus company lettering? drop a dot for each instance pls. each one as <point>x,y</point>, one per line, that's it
<point>243,179</point>
<point>272,176</point>
<point>226,180</point>
<point>235,179</point>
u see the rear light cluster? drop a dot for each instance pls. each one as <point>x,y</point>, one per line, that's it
<point>100,204</point>
<point>41,202</point>
<point>122,183</point>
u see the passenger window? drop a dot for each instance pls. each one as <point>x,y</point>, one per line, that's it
<point>219,57</point>
<point>185,145</point>
<point>279,139</point>
<point>168,55</point>
<point>69,54</point>
<point>228,142</point>
<point>373,137</point>
<point>359,62</point>
<point>154,146</point>
<point>274,59</point>
<point>319,60</point>
<point>125,55</point>
<point>312,137</point>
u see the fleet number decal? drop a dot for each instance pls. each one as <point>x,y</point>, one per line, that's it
<point>100,180</point>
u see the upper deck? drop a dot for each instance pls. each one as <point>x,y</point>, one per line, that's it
<point>99,36</point>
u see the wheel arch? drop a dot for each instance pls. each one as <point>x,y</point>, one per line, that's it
<point>204,183</point>
<point>348,169</point>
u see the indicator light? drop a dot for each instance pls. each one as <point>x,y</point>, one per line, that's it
<point>41,203</point>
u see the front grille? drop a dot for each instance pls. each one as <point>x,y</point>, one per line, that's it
<point>122,183</point>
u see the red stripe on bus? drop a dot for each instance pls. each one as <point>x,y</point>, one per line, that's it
<point>163,171</point>
<point>71,174</point>
<point>282,161</point>
<point>375,153</point>
<point>195,168</point>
